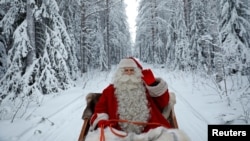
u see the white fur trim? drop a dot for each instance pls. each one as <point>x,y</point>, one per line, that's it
<point>178,135</point>
<point>160,89</point>
<point>172,101</point>
<point>127,63</point>
<point>163,134</point>
<point>155,134</point>
<point>172,98</point>
<point>100,116</point>
<point>109,135</point>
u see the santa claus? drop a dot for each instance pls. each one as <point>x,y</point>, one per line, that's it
<point>135,101</point>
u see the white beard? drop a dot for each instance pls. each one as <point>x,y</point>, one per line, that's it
<point>132,102</point>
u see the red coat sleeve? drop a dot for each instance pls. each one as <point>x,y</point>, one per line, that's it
<point>161,101</point>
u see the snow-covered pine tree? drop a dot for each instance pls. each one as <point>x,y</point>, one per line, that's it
<point>120,39</point>
<point>70,10</point>
<point>52,69</point>
<point>234,45</point>
<point>180,33</point>
<point>234,25</point>
<point>3,56</point>
<point>92,36</point>
<point>160,28</point>
<point>197,29</point>
<point>144,31</point>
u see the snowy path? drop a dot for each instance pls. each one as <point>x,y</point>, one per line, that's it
<point>190,120</point>
<point>58,119</point>
<point>56,124</point>
<point>64,122</point>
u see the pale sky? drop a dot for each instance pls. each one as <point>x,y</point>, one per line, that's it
<point>131,10</point>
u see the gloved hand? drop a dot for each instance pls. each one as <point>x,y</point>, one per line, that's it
<point>148,76</point>
<point>96,118</point>
<point>104,123</point>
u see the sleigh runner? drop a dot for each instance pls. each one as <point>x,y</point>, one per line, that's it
<point>92,99</point>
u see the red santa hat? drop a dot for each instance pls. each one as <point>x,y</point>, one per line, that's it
<point>129,62</point>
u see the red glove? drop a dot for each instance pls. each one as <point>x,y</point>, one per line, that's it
<point>104,123</point>
<point>148,76</point>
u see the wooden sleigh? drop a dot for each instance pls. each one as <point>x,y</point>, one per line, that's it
<point>92,99</point>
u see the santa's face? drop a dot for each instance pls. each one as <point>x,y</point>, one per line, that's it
<point>129,70</point>
<point>128,75</point>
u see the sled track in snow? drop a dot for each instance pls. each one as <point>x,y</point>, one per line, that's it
<point>51,115</point>
<point>194,111</point>
<point>194,124</point>
<point>66,105</point>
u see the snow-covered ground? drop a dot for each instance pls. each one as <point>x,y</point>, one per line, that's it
<point>58,118</point>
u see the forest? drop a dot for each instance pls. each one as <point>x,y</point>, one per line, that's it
<point>45,45</point>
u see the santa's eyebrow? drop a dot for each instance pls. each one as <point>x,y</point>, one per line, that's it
<point>128,69</point>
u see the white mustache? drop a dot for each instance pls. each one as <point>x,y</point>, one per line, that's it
<point>132,78</point>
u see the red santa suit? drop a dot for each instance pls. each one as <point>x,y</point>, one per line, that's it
<point>147,107</point>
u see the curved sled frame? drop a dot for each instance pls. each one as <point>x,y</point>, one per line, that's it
<point>92,99</point>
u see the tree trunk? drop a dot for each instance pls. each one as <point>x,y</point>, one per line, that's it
<point>31,32</point>
<point>107,49</point>
<point>83,60</point>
